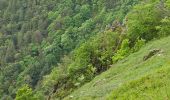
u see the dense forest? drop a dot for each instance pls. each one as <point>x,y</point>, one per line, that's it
<point>50,48</point>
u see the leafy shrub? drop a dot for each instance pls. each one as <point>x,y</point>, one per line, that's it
<point>122,52</point>
<point>164,27</point>
<point>25,93</point>
<point>138,44</point>
<point>141,22</point>
<point>168,3</point>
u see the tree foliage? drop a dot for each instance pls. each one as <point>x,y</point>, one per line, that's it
<point>55,46</point>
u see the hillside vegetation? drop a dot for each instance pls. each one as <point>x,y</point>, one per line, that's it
<point>84,49</point>
<point>132,78</point>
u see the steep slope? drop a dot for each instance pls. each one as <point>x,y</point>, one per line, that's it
<point>50,48</point>
<point>133,77</point>
<point>147,21</point>
<point>36,34</point>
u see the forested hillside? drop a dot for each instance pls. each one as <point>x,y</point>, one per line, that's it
<point>51,48</point>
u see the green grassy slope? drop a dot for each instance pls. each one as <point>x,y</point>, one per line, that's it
<point>132,78</point>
